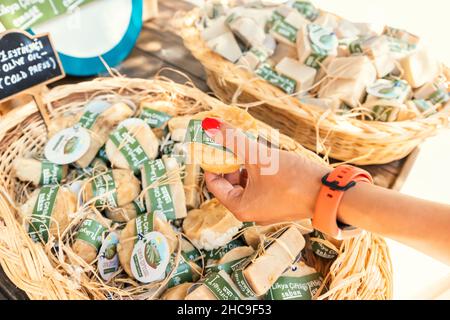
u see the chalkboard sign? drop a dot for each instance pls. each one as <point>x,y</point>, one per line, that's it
<point>26,62</point>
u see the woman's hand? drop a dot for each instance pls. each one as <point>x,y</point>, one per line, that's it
<point>287,192</point>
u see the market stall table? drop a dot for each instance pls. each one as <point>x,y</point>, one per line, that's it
<point>160,50</point>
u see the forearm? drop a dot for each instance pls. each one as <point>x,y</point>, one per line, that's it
<point>417,223</point>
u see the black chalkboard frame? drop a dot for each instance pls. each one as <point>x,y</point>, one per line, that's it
<point>35,89</point>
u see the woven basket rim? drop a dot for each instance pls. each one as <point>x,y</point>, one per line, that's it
<point>398,131</point>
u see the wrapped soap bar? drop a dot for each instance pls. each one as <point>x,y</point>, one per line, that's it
<point>231,260</point>
<point>303,75</point>
<point>420,68</point>
<point>211,226</point>
<point>314,44</point>
<point>208,154</point>
<point>137,229</point>
<point>113,188</point>
<point>132,144</point>
<point>300,282</point>
<point>177,293</point>
<point>89,237</point>
<point>47,212</point>
<point>349,78</point>
<point>39,172</point>
<point>226,46</point>
<point>259,273</point>
<point>216,286</point>
<point>127,212</point>
<point>100,118</point>
<point>347,30</point>
<point>168,197</point>
<point>178,127</point>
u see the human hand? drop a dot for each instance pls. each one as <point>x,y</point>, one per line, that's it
<point>287,194</point>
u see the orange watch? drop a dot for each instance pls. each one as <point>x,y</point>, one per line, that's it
<point>334,186</point>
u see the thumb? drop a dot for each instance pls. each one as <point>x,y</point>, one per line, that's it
<point>229,195</point>
<point>234,139</point>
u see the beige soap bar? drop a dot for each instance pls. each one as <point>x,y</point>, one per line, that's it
<point>192,185</point>
<point>267,268</point>
<point>303,75</point>
<point>283,51</point>
<point>177,293</point>
<point>226,46</point>
<point>420,68</point>
<point>30,170</point>
<point>248,31</point>
<point>350,77</point>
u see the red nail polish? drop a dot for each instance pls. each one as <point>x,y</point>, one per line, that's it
<point>211,126</point>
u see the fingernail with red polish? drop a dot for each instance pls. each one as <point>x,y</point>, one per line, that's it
<point>211,126</point>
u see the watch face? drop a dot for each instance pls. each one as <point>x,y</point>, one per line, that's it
<point>100,28</point>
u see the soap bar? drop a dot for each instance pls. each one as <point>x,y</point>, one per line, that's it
<point>327,20</point>
<point>303,75</point>
<point>353,75</point>
<point>177,293</point>
<point>38,172</point>
<point>347,30</point>
<point>226,46</point>
<point>394,90</point>
<point>263,271</point>
<point>191,183</point>
<point>420,68</point>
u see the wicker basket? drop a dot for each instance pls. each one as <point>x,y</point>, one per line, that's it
<point>339,137</point>
<point>361,271</point>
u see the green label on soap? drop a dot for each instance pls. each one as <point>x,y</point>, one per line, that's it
<point>155,119</point>
<point>320,249</point>
<point>92,232</point>
<point>41,218</point>
<point>307,9</point>
<point>221,289</point>
<point>240,281</point>
<point>88,119</point>
<point>129,147</point>
<point>228,267</point>
<point>144,225</point>
<point>286,84</point>
<point>295,288</point>
<point>50,173</point>
<point>160,197</point>
<point>104,187</point>
<point>195,133</point>
<point>440,96</point>
<point>24,14</point>
<point>217,254</point>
